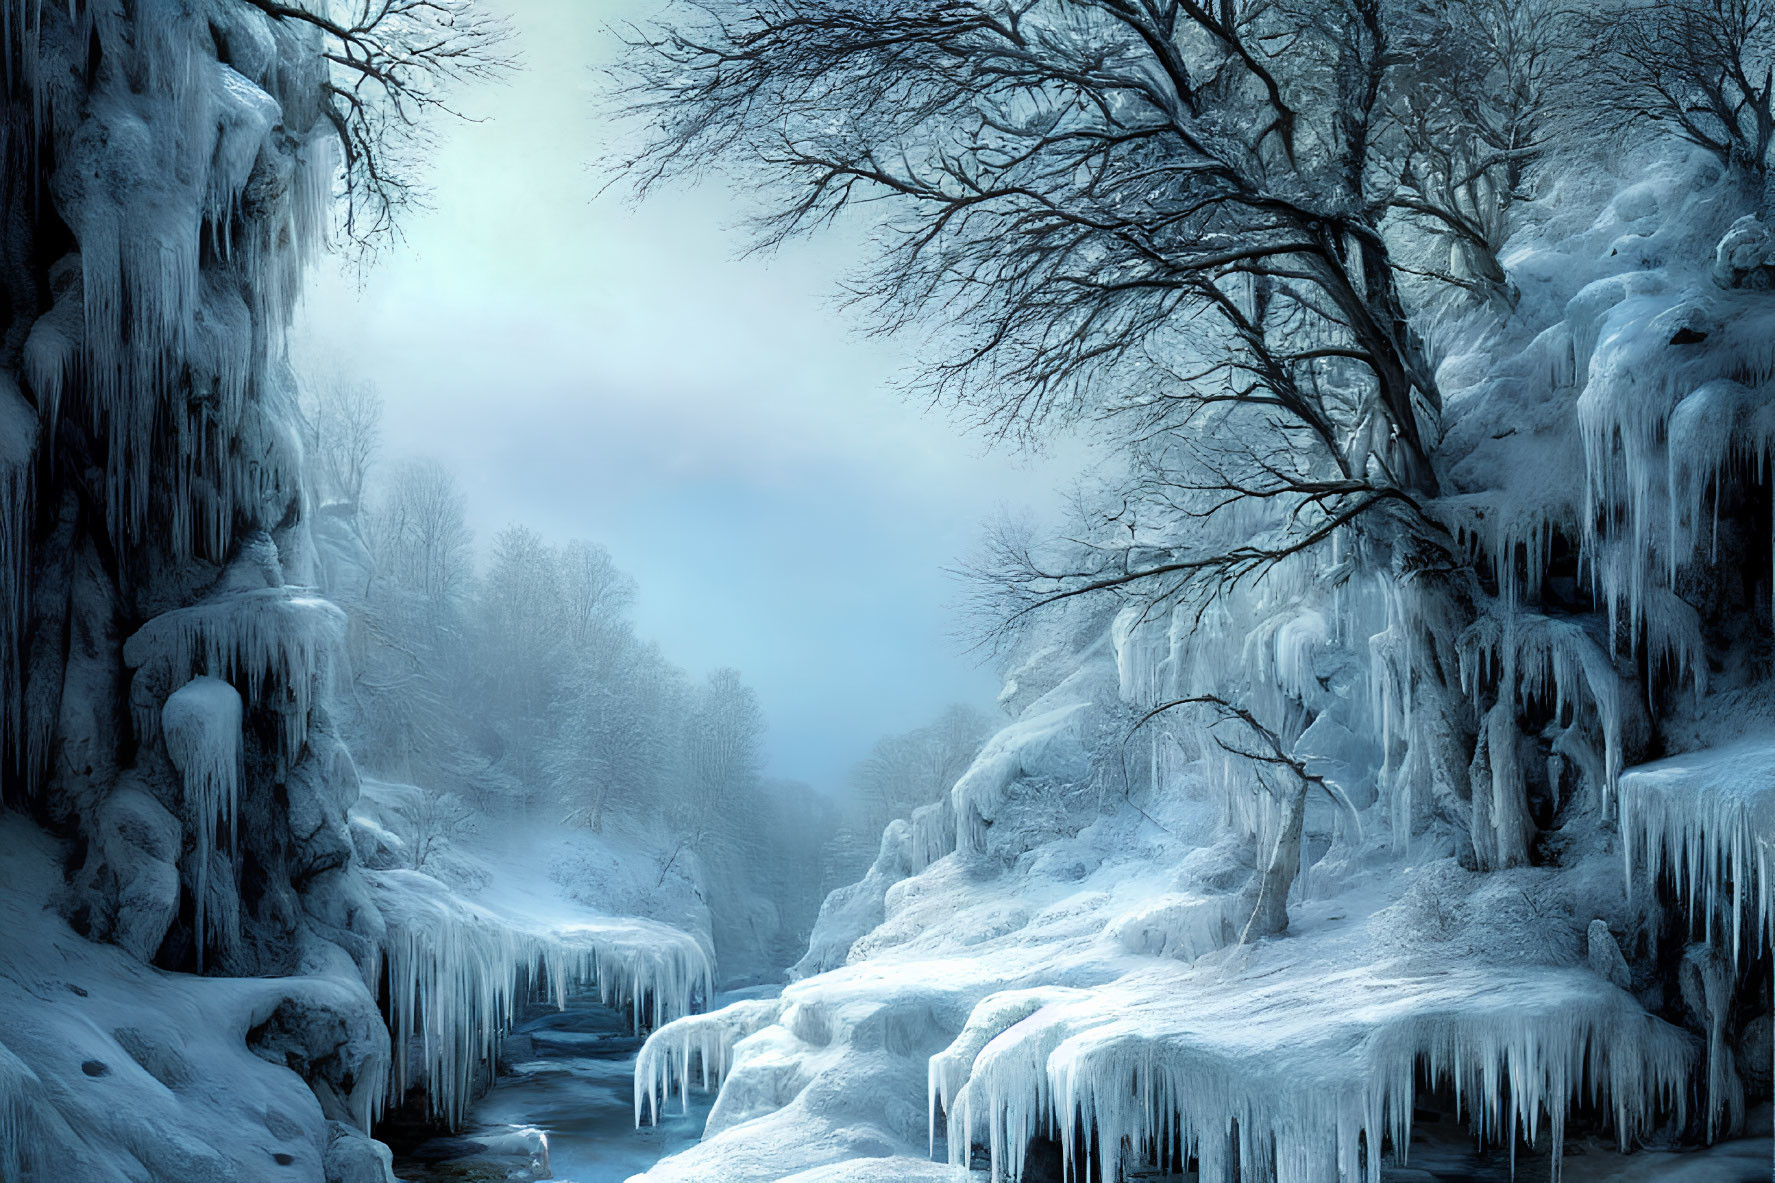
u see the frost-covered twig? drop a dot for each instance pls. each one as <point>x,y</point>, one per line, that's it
<point>390,64</point>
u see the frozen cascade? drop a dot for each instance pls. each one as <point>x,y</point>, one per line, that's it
<point>151,173</point>
<point>272,639</point>
<point>951,1068</point>
<point>457,969</point>
<point>18,443</point>
<point>1315,1073</point>
<point>1535,658</point>
<point>200,725</point>
<point>1703,821</point>
<point>1671,405</point>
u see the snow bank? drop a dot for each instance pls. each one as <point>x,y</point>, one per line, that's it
<point>111,1071</point>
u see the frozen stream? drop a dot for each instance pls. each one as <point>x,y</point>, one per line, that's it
<point>567,1076</point>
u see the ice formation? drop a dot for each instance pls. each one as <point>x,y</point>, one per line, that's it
<point>200,725</point>
<point>274,640</point>
<point>706,1040</point>
<point>189,986</point>
<point>1308,1081</point>
<point>1470,926</point>
<point>457,970</point>
<point>1705,820</point>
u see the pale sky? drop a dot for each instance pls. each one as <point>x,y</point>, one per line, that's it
<point>600,371</point>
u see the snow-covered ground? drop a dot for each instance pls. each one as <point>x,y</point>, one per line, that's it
<point>111,1070</point>
<point>1055,962</point>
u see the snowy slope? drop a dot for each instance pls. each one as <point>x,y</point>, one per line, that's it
<point>1071,975</point>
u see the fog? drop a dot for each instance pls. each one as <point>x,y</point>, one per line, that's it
<point>602,369</point>
<point>526,728</point>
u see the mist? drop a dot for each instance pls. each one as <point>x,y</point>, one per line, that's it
<point>876,591</point>
<point>595,367</point>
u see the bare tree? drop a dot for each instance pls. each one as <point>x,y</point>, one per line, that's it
<point>1181,220</point>
<point>345,418</point>
<point>434,820</point>
<point>390,65</point>
<point>595,594</point>
<point>1131,209</point>
<point>420,537</point>
<point>725,741</point>
<point>1702,69</point>
<point>1491,85</point>
<point>620,730</point>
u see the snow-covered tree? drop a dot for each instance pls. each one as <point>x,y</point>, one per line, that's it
<point>595,595</point>
<point>725,745</point>
<point>345,434</point>
<point>618,746</point>
<point>914,768</point>
<point>420,536</point>
<point>1700,69</point>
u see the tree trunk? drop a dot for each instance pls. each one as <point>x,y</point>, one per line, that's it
<point>1270,916</point>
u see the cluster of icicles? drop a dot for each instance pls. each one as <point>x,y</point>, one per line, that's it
<point>706,1040</point>
<point>1124,1075</point>
<point>164,331</point>
<point>457,972</point>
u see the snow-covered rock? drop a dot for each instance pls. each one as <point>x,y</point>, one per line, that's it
<point>1478,936</point>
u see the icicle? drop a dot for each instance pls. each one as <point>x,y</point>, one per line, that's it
<point>201,727</point>
<point>456,973</point>
<point>275,641</point>
<point>666,1057</point>
<point>1700,819</point>
<point>1308,1082</point>
<point>18,446</point>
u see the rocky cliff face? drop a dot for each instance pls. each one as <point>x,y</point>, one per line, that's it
<point>163,663</point>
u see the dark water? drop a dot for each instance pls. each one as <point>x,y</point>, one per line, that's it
<point>566,1077</point>
<point>1447,1155</point>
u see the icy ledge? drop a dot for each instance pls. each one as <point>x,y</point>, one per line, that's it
<point>1704,819</point>
<point>1300,1076</point>
<point>457,969</point>
<point>708,1040</point>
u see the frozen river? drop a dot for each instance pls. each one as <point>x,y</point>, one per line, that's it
<point>567,1078</point>
<point>567,1083</point>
